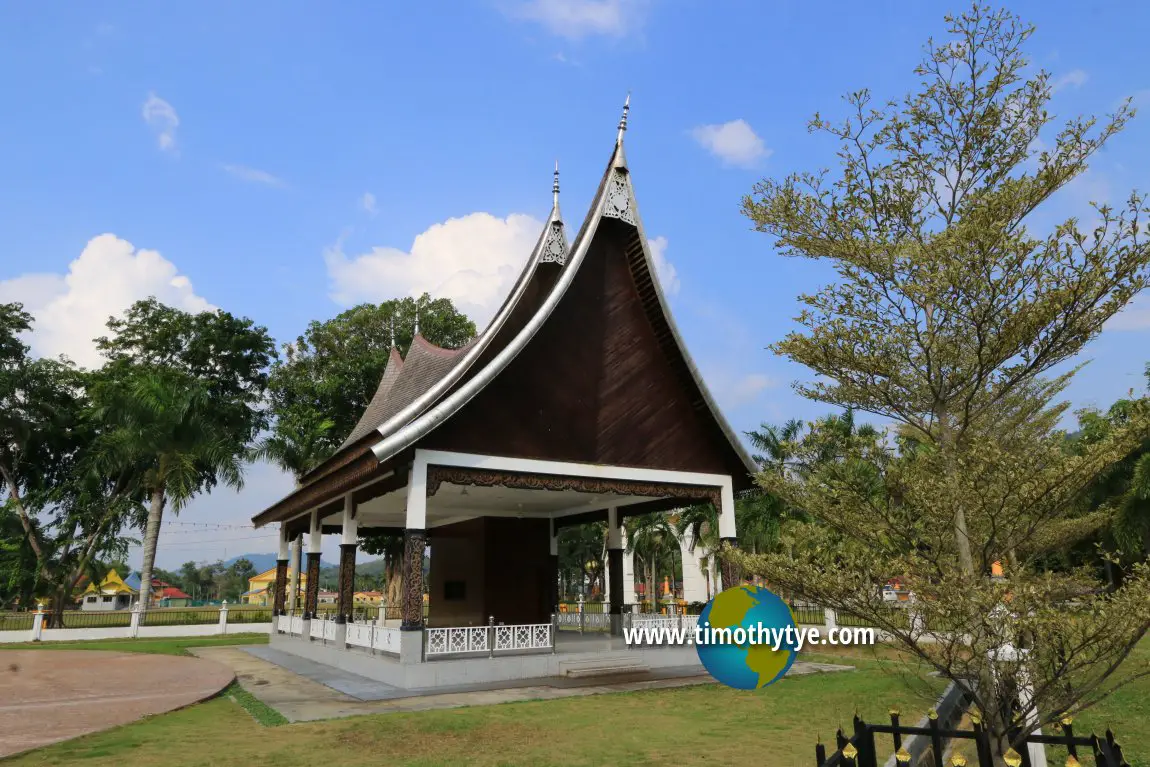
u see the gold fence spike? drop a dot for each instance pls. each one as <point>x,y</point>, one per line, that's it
<point>1012,758</point>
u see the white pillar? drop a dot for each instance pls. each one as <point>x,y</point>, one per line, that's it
<point>315,534</point>
<point>727,511</point>
<point>349,522</point>
<point>38,623</point>
<point>134,629</point>
<point>628,571</point>
<point>223,625</point>
<point>694,582</point>
<point>284,552</point>
<point>294,565</point>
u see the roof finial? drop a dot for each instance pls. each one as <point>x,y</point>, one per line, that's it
<point>416,320</point>
<point>393,331</point>
<point>555,186</point>
<point>623,119</point>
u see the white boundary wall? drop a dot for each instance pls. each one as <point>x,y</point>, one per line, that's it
<point>40,634</point>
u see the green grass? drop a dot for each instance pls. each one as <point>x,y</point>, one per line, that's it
<point>173,646</point>
<point>704,724</point>
<point>260,711</point>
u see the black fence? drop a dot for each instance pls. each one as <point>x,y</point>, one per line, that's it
<point>859,750</point>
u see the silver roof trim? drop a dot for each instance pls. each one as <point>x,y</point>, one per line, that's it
<point>428,398</point>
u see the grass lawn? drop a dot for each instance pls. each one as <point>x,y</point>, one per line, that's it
<point>700,724</point>
<point>173,646</point>
<point>705,724</point>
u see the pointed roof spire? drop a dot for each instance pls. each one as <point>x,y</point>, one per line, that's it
<point>555,186</point>
<point>393,331</point>
<point>416,332</point>
<point>623,119</point>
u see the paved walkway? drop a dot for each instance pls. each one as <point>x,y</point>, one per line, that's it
<point>303,691</point>
<point>53,695</point>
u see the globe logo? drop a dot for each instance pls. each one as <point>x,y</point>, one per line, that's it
<point>746,660</point>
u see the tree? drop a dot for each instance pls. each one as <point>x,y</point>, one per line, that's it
<point>330,373</point>
<point>183,396</point>
<point>61,514</point>
<point>652,539</point>
<point>947,317</point>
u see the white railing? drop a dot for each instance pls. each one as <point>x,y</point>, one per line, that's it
<point>373,637</point>
<point>665,622</point>
<point>316,628</point>
<point>586,621</point>
<point>530,636</point>
<point>329,628</point>
<point>457,640</point>
<point>385,639</point>
<point>295,625</point>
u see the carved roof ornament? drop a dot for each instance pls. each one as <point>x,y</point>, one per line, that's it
<point>619,203</point>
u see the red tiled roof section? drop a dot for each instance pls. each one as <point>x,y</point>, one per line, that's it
<point>171,592</point>
<point>403,380</point>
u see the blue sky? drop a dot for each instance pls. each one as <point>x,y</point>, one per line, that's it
<point>285,160</point>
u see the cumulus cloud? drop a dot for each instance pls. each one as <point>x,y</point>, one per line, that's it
<point>664,269</point>
<point>161,117</point>
<point>254,175</point>
<point>734,142</point>
<point>473,260</point>
<point>108,276</point>
<point>367,204</point>
<point>1075,78</point>
<point>576,19</point>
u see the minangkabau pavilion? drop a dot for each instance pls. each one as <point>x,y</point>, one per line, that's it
<point>578,403</point>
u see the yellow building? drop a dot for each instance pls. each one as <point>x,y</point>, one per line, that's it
<point>111,594</point>
<point>258,585</point>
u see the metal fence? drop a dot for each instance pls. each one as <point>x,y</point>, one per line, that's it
<point>490,639</point>
<point>859,750</point>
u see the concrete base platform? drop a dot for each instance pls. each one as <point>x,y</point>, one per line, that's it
<point>455,673</point>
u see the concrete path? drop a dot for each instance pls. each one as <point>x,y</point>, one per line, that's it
<point>51,695</point>
<point>305,691</point>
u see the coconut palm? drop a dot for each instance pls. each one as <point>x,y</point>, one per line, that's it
<point>296,446</point>
<point>164,424</point>
<point>652,539</point>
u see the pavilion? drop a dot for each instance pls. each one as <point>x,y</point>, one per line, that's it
<point>579,402</point>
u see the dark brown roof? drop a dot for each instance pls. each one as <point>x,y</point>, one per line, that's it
<point>403,380</point>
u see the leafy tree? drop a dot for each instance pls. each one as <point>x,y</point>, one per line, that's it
<point>946,317</point>
<point>582,551</point>
<point>69,514</point>
<point>330,373</point>
<point>182,395</point>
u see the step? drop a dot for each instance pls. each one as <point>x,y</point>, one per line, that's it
<point>609,666</point>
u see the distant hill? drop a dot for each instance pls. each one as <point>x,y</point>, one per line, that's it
<point>262,562</point>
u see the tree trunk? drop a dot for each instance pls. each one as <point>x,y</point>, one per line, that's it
<point>961,534</point>
<point>151,539</point>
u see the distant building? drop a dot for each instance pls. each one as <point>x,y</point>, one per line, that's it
<point>259,587</point>
<point>112,594</point>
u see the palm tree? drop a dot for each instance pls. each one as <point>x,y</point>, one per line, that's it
<point>297,445</point>
<point>651,537</point>
<point>164,424</point>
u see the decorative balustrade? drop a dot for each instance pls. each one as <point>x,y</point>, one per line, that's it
<point>489,639</point>
<point>371,636</point>
<point>316,628</point>
<point>295,625</point>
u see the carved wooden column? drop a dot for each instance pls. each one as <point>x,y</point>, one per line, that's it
<point>347,546</point>
<point>281,585</point>
<point>414,542</point>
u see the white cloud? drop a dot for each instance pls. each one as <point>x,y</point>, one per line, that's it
<point>734,142</point>
<point>576,19</point>
<point>1136,316</point>
<point>161,117</point>
<point>254,175</point>
<point>734,389</point>
<point>367,204</point>
<point>473,260</point>
<point>664,269</point>
<point>1075,78</point>
<point>109,275</point>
